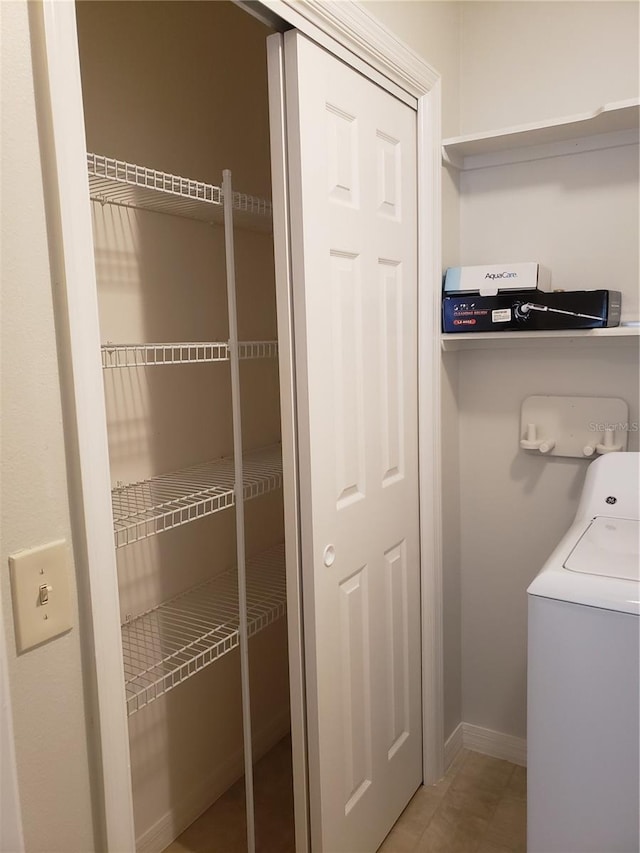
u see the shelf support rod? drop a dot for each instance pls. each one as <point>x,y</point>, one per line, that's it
<point>234,356</point>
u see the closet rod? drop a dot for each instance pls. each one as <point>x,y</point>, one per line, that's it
<point>234,356</point>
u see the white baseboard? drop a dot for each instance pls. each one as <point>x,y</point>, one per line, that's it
<point>190,806</point>
<point>495,744</point>
<point>453,745</point>
<point>486,741</point>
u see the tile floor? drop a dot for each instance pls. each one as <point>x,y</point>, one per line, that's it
<point>478,807</point>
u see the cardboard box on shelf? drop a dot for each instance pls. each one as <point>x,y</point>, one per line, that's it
<point>488,280</point>
<point>531,310</point>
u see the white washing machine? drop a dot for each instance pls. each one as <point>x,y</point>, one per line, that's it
<point>583,748</point>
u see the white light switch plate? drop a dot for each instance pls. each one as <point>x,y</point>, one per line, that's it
<point>40,615</point>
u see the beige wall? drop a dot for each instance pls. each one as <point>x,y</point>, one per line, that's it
<point>530,61</point>
<point>579,215</point>
<point>479,92</point>
<point>516,506</point>
<point>46,682</point>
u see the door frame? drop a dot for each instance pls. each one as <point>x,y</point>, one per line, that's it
<point>356,37</point>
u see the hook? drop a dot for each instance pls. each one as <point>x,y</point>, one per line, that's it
<point>532,442</point>
<point>608,444</point>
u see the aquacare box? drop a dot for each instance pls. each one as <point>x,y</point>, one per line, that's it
<point>496,278</point>
<point>531,311</point>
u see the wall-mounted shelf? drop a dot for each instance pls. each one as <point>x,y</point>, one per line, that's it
<point>617,336</point>
<point>128,185</point>
<point>150,355</point>
<point>174,641</point>
<point>610,126</point>
<point>152,506</point>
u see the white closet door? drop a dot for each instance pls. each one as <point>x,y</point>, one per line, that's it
<point>352,171</point>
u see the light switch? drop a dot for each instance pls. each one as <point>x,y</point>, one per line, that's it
<point>41,597</point>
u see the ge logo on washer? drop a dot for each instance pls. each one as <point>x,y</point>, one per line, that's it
<point>611,500</point>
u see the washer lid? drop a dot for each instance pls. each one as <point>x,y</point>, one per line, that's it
<point>608,547</point>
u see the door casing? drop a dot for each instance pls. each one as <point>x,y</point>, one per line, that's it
<point>356,37</point>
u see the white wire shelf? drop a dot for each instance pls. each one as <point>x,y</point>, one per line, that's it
<point>149,355</point>
<point>128,185</point>
<point>169,644</point>
<point>257,349</point>
<point>161,503</point>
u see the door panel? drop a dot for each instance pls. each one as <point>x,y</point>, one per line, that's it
<point>348,374</point>
<point>356,685</point>
<point>352,164</point>
<point>398,648</point>
<point>391,371</point>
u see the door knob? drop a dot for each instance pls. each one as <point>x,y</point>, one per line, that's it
<point>329,555</point>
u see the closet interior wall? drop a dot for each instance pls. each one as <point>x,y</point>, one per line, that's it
<point>181,87</point>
